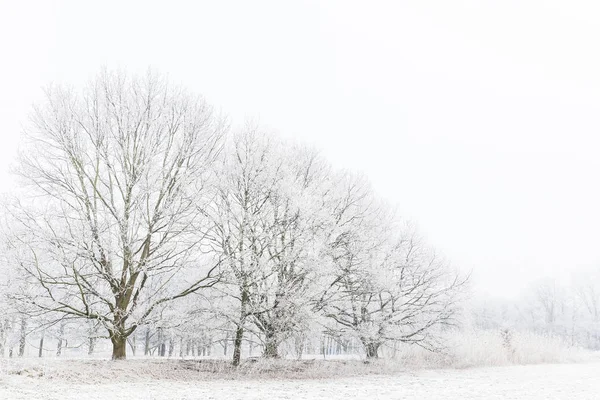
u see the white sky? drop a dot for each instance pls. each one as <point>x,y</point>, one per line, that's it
<point>479,118</point>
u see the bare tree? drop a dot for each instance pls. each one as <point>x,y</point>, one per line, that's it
<point>550,298</point>
<point>263,228</point>
<point>247,180</point>
<point>587,290</point>
<point>113,175</point>
<point>287,285</point>
<point>385,284</point>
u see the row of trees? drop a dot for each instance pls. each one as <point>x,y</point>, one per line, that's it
<point>139,208</point>
<point>570,310</point>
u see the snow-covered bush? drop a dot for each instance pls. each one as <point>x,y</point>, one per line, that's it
<point>476,348</point>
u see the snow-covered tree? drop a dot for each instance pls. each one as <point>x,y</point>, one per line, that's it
<point>112,178</point>
<point>265,224</point>
<point>385,284</point>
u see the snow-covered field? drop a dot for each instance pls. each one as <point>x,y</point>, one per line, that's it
<point>550,381</point>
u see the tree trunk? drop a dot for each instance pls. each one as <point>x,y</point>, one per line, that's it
<point>119,350</point>
<point>23,336</point>
<point>41,350</point>
<point>161,343</point>
<point>271,345</point>
<point>61,334</point>
<point>91,345</point>
<point>147,342</point>
<point>237,345</point>
<point>371,349</point>
<point>239,332</point>
<point>171,347</point>
<point>119,343</point>
<point>3,336</point>
<point>133,344</point>
<point>225,342</point>
<point>299,344</point>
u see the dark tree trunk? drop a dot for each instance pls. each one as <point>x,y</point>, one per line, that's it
<point>119,343</point>
<point>371,349</point>
<point>239,332</point>
<point>237,345</point>
<point>59,346</point>
<point>91,345</point>
<point>41,350</point>
<point>23,336</point>
<point>118,339</point>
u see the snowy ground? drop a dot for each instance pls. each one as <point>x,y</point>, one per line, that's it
<point>553,381</point>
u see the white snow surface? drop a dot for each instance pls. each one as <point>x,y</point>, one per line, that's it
<point>549,381</point>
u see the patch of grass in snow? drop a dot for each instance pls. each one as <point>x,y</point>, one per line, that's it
<point>97,371</point>
<point>469,349</point>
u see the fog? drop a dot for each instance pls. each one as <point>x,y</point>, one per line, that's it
<point>478,119</point>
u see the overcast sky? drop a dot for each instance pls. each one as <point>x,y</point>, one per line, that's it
<point>480,119</point>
